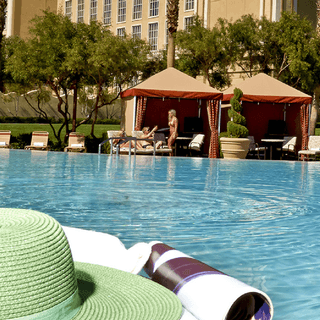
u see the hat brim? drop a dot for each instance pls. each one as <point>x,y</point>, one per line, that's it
<point>111,294</point>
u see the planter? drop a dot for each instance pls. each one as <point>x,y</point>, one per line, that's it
<point>234,148</point>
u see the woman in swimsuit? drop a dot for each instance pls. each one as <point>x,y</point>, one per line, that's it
<point>173,125</point>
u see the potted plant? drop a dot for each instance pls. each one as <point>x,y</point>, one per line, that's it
<point>236,145</point>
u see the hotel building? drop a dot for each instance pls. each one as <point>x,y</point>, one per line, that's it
<point>146,19</point>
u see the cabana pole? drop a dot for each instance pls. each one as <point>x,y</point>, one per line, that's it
<point>134,112</point>
<point>219,121</point>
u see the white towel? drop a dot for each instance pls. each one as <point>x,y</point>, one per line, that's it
<point>106,250</point>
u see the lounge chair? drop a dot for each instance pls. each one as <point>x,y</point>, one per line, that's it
<point>313,149</point>
<point>39,141</point>
<point>76,142</point>
<point>114,143</point>
<point>137,134</point>
<point>196,143</point>
<point>158,137</point>
<point>289,147</point>
<point>5,136</point>
<point>255,150</point>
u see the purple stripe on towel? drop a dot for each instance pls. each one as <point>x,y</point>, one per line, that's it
<point>176,272</point>
<point>157,251</point>
<point>263,313</point>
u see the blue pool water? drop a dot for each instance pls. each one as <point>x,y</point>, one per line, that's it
<point>257,221</point>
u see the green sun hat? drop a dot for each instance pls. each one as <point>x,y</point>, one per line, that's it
<point>40,281</point>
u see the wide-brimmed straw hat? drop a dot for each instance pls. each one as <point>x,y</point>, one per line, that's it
<point>40,281</point>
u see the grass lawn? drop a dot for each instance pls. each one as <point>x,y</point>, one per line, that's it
<point>20,128</point>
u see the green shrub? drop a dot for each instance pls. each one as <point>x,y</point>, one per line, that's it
<point>20,141</point>
<point>236,126</point>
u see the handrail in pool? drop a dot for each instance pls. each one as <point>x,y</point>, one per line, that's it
<point>125,139</point>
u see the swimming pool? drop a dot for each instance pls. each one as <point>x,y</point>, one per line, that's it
<point>257,221</point>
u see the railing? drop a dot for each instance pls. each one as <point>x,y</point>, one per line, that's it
<point>125,139</point>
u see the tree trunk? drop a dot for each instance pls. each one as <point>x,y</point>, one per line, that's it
<point>74,111</point>
<point>171,51</point>
<point>314,110</point>
<point>172,22</point>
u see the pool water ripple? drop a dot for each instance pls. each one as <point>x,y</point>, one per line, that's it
<point>257,221</point>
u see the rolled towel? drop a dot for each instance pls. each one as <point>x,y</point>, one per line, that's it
<point>207,293</point>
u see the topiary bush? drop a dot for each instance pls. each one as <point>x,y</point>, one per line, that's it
<point>237,125</point>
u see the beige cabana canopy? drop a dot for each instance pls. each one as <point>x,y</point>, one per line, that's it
<point>171,84</point>
<point>265,89</point>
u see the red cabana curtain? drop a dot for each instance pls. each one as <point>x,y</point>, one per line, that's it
<point>304,121</point>
<point>141,112</point>
<point>212,109</point>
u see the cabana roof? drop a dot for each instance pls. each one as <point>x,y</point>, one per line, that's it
<point>263,88</point>
<point>172,83</point>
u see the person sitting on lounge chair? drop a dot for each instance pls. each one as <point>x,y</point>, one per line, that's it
<point>121,134</point>
<point>143,144</point>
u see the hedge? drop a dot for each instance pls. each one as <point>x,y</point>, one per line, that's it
<point>53,120</point>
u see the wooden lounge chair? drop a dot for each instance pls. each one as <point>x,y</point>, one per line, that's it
<point>39,141</point>
<point>76,142</point>
<point>313,149</point>
<point>5,136</point>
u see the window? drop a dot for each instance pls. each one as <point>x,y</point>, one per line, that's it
<point>153,36</point>
<point>93,10</point>
<point>189,5</point>
<point>153,8</point>
<point>136,32</point>
<point>122,10</point>
<point>80,11</point>
<point>107,12</point>
<point>280,6</point>
<point>188,21</point>
<point>137,9</point>
<point>68,8</point>
<point>121,32</point>
<point>288,5</point>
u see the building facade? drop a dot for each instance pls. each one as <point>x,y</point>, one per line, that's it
<point>20,12</point>
<point>146,19</point>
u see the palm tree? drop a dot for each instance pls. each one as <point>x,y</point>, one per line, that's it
<point>172,21</point>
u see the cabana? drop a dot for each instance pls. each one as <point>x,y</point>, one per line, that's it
<point>197,106</point>
<point>267,100</point>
